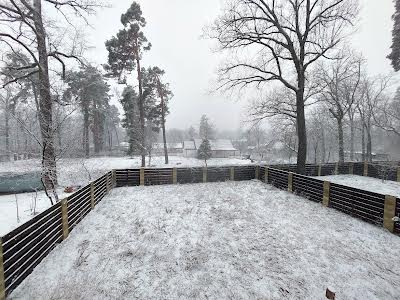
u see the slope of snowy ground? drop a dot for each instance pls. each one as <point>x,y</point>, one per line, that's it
<point>232,240</point>
<point>366,183</point>
<point>77,172</point>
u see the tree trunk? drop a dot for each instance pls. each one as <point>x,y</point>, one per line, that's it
<point>301,130</point>
<point>341,143</point>
<point>363,143</point>
<point>7,128</point>
<point>323,150</point>
<point>49,168</point>
<point>369,144</point>
<point>163,121</point>
<point>141,110</point>
<point>86,131</point>
<point>352,133</point>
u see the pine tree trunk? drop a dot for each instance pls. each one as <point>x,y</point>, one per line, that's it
<point>141,111</point>
<point>301,129</point>
<point>86,131</point>
<point>323,150</point>
<point>163,121</point>
<point>49,168</point>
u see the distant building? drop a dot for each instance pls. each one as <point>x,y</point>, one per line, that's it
<point>172,148</point>
<point>220,148</point>
<point>359,157</point>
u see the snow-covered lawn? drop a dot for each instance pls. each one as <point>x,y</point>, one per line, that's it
<point>366,183</point>
<point>77,172</point>
<point>232,240</point>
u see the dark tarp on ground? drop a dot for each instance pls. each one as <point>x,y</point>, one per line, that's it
<point>20,183</point>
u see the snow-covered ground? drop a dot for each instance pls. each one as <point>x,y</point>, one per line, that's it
<point>77,172</point>
<point>366,183</point>
<point>232,240</point>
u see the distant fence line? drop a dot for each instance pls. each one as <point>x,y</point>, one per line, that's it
<point>382,170</point>
<point>24,248</point>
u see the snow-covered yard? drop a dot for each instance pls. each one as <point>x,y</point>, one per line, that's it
<point>77,172</point>
<point>366,183</point>
<point>236,240</point>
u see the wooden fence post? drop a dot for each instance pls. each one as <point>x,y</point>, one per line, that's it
<point>389,212</point>
<point>290,182</point>
<point>257,171</point>
<point>398,174</point>
<point>174,176</point>
<point>141,176</point>
<point>351,168</point>
<point>337,168</point>
<point>327,187</point>
<point>266,175</point>
<point>92,195</point>
<point>365,169</point>
<point>232,174</point>
<point>319,170</point>
<point>64,211</point>
<point>205,174</point>
<point>114,178</point>
<point>108,182</point>
<point>2,279</point>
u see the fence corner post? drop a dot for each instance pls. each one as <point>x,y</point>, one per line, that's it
<point>351,168</point>
<point>114,178</point>
<point>232,174</point>
<point>2,279</point>
<point>108,184</point>
<point>266,175</point>
<point>141,182</point>
<point>174,176</point>
<point>389,212</point>
<point>257,171</point>
<point>290,182</point>
<point>337,168</point>
<point>92,203</point>
<point>398,174</point>
<point>319,170</point>
<point>365,173</point>
<point>325,198</point>
<point>204,174</point>
<point>64,212</point>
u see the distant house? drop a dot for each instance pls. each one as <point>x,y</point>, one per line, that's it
<point>220,148</point>
<point>173,148</point>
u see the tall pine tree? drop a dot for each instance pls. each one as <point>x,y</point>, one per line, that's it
<point>125,54</point>
<point>394,56</point>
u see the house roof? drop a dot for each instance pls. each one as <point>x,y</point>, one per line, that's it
<point>169,145</point>
<point>217,145</point>
<point>189,145</point>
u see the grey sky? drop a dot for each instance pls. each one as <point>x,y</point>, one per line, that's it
<point>174,28</point>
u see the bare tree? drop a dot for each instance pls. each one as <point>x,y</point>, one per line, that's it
<point>374,91</point>
<point>284,38</point>
<point>22,28</point>
<point>341,80</point>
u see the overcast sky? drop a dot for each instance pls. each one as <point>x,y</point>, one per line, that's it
<point>174,28</point>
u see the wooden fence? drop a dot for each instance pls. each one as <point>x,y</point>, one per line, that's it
<point>371,207</point>
<point>382,170</point>
<point>22,249</point>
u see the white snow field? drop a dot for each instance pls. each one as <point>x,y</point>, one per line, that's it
<point>232,240</point>
<point>366,183</point>
<point>78,172</point>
